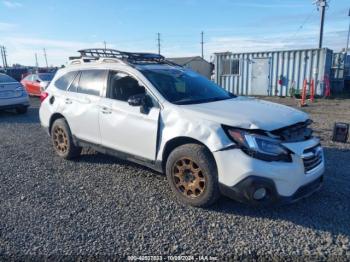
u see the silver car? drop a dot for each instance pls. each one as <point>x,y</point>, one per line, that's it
<point>13,95</point>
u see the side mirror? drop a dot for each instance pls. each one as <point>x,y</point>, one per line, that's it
<point>137,100</point>
<point>37,80</point>
<point>141,100</point>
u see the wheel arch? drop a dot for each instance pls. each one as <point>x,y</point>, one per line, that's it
<point>53,118</point>
<point>179,141</point>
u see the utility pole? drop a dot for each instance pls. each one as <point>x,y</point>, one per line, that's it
<point>3,55</point>
<point>105,44</point>
<point>158,39</point>
<point>202,43</point>
<point>347,46</point>
<point>36,63</point>
<point>321,4</point>
<point>47,65</point>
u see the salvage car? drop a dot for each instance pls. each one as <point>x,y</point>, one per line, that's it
<point>36,83</point>
<point>143,108</point>
<point>12,95</point>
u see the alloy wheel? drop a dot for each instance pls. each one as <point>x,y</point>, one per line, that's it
<point>60,140</point>
<point>188,178</point>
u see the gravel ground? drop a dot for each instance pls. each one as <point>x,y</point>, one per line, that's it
<point>99,205</point>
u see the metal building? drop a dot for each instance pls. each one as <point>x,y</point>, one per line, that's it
<point>340,74</point>
<point>196,63</point>
<point>272,73</point>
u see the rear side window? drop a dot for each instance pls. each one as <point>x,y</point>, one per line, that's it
<point>64,81</point>
<point>92,82</point>
<point>74,85</point>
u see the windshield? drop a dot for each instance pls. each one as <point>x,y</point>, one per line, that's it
<point>180,86</point>
<point>6,79</point>
<point>46,76</point>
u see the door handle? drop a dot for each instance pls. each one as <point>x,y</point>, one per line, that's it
<point>68,101</point>
<point>106,110</point>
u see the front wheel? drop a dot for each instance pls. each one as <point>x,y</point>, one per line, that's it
<point>192,174</point>
<point>62,140</point>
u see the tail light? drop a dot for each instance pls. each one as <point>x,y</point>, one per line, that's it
<point>43,96</point>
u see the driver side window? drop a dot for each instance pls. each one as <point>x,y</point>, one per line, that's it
<point>122,86</point>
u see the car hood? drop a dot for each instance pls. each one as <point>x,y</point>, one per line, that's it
<point>247,113</point>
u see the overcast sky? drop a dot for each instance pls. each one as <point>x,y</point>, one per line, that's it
<point>64,26</point>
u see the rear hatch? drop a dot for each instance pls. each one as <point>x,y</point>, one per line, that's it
<point>10,90</point>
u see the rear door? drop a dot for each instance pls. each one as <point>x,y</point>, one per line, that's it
<point>81,104</point>
<point>124,127</point>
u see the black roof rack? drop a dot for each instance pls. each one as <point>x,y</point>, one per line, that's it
<point>130,57</point>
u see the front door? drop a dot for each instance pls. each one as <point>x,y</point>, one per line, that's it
<point>260,77</point>
<point>124,127</point>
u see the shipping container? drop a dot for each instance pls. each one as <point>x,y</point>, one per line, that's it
<point>274,73</point>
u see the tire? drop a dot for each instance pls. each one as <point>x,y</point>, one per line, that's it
<point>62,140</point>
<point>192,174</point>
<point>21,110</point>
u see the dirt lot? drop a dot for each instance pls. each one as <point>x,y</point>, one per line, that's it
<point>99,205</point>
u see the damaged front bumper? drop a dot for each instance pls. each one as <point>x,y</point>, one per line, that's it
<point>240,175</point>
<point>244,191</point>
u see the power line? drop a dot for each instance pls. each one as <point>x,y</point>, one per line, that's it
<point>301,26</point>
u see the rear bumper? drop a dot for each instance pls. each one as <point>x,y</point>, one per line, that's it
<point>13,106</point>
<point>244,191</point>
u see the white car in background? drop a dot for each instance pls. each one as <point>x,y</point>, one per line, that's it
<point>12,95</point>
<point>143,108</point>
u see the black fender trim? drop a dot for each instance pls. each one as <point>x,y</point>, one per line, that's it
<point>155,165</point>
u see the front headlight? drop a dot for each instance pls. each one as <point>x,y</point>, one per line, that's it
<point>259,146</point>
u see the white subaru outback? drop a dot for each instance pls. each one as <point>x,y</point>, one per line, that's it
<point>143,108</point>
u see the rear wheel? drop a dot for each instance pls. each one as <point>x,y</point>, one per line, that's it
<point>62,140</point>
<point>192,174</point>
<point>21,110</point>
